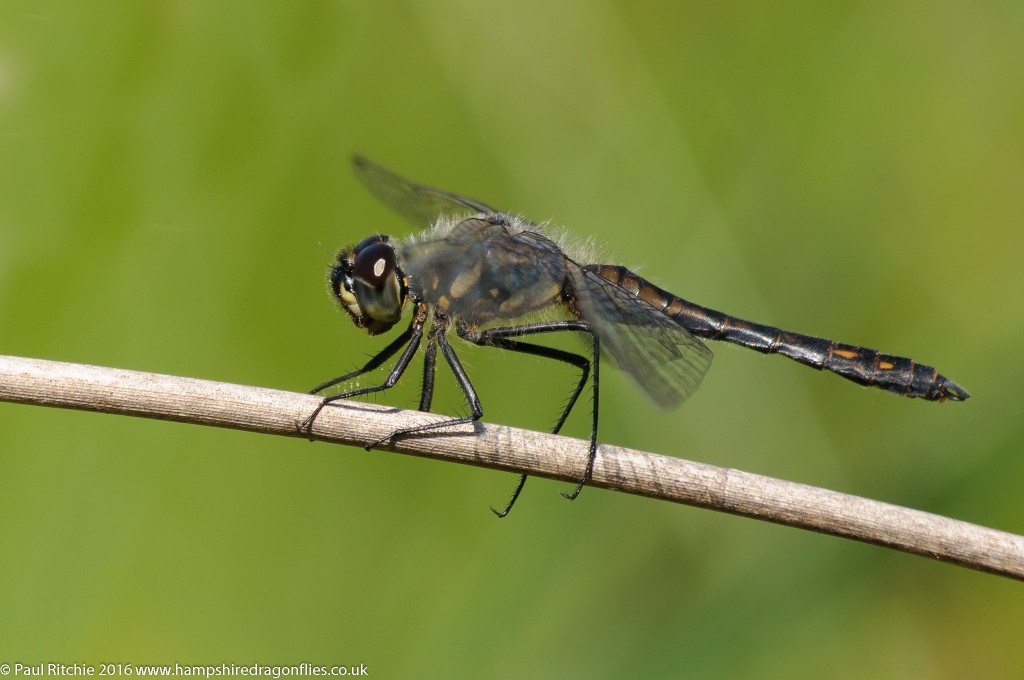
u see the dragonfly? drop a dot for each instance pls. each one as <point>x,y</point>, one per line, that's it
<point>497,279</point>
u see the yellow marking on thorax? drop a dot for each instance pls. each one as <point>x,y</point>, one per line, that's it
<point>530,299</point>
<point>465,280</point>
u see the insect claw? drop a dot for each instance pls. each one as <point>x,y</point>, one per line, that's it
<point>305,427</point>
<point>378,442</point>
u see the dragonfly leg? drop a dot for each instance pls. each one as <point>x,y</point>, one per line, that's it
<point>476,411</point>
<point>371,365</point>
<point>506,338</point>
<point>410,338</point>
<point>429,369</point>
<point>593,427</point>
<point>502,338</point>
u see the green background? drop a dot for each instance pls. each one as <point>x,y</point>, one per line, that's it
<point>174,179</point>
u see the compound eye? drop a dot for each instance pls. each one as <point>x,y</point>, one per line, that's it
<point>375,264</point>
<point>369,241</point>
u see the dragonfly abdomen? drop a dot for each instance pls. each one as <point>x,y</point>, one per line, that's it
<point>860,364</point>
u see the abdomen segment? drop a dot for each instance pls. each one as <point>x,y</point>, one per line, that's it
<point>861,365</point>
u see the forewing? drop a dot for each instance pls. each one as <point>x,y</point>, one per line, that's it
<point>416,202</point>
<point>661,356</point>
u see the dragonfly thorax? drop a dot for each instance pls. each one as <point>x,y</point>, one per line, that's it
<point>486,268</point>
<point>370,285</point>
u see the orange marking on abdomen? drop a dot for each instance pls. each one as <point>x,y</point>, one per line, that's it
<point>886,365</point>
<point>846,353</point>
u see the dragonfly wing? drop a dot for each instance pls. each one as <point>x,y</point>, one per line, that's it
<point>665,359</point>
<point>416,202</point>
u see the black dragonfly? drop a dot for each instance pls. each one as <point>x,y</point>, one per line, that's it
<point>489,274</point>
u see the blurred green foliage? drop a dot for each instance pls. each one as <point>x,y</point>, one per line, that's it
<point>174,179</point>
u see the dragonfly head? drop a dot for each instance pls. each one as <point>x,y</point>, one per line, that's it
<point>370,285</point>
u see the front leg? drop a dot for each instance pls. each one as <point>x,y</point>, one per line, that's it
<point>411,336</point>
